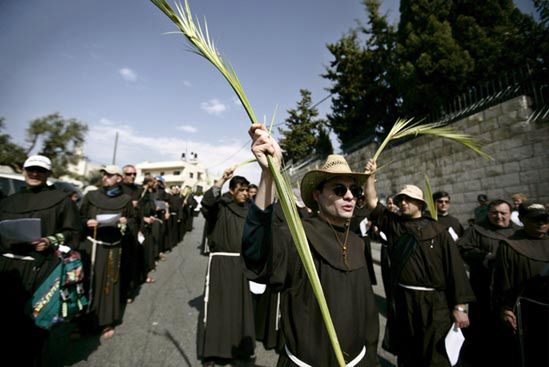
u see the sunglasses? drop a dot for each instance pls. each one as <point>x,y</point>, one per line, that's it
<point>130,173</point>
<point>340,190</point>
<point>36,170</point>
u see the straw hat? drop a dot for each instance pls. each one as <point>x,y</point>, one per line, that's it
<point>411,191</point>
<point>335,166</point>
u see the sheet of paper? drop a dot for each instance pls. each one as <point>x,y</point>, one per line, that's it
<point>107,220</point>
<point>453,233</point>
<point>21,230</point>
<point>383,236</point>
<point>453,342</point>
<point>364,227</point>
<point>160,205</point>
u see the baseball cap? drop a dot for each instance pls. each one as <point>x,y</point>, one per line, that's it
<point>112,169</point>
<point>38,161</point>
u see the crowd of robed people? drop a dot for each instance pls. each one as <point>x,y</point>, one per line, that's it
<point>439,277</point>
<point>109,247</point>
<point>489,279</point>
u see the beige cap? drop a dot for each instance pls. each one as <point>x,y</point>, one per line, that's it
<point>411,191</point>
<point>111,169</point>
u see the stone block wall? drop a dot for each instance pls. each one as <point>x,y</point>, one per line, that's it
<point>520,149</point>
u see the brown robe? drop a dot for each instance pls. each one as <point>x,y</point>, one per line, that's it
<point>229,329</point>
<point>423,255</point>
<point>521,284</point>
<point>271,257</point>
<point>22,340</point>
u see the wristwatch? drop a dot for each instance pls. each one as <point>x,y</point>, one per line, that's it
<point>460,309</point>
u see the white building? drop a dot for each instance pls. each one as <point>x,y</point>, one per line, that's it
<point>181,173</point>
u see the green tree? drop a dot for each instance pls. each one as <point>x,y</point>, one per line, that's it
<point>11,154</point>
<point>363,73</point>
<point>300,139</point>
<point>323,145</point>
<point>59,138</point>
<point>52,136</point>
<point>433,67</point>
<point>497,36</point>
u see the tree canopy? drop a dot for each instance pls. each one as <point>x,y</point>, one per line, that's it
<point>53,136</point>
<point>304,133</point>
<point>439,48</point>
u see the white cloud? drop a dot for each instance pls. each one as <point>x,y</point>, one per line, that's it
<point>128,74</point>
<point>187,83</point>
<point>137,146</point>
<point>214,107</point>
<point>187,128</point>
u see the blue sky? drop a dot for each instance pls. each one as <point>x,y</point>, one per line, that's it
<point>109,64</point>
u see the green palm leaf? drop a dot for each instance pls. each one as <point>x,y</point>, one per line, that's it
<point>403,128</point>
<point>429,199</point>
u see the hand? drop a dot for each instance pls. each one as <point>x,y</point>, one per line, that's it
<point>371,167</point>
<point>134,203</point>
<point>148,220</point>
<point>228,174</point>
<point>91,223</point>
<point>123,220</point>
<point>509,319</point>
<point>263,144</point>
<point>41,244</point>
<point>461,319</point>
<point>167,216</point>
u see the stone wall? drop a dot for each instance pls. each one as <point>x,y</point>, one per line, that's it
<point>520,149</point>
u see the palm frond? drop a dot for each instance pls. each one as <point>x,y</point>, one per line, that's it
<point>429,199</point>
<point>248,161</point>
<point>403,128</point>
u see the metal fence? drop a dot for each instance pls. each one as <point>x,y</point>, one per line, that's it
<point>524,81</point>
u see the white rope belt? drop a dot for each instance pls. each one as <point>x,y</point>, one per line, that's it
<point>417,288</point>
<point>300,363</point>
<point>18,257</point>
<point>207,287</point>
<point>278,315</point>
<point>107,244</point>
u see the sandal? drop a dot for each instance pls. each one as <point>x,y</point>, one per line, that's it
<point>107,333</point>
<point>150,280</point>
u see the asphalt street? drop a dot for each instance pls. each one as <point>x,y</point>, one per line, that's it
<point>159,327</point>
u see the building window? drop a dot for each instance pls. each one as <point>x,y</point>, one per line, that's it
<point>176,173</point>
<point>191,175</point>
<point>199,176</point>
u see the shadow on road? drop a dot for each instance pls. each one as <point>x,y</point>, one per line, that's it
<point>62,351</point>
<point>168,335</point>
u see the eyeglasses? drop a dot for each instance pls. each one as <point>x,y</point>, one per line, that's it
<point>130,173</point>
<point>340,190</point>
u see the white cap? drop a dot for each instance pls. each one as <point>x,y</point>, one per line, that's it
<point>38,161</point>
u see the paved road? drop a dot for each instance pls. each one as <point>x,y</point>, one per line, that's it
<point>159,328</point>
